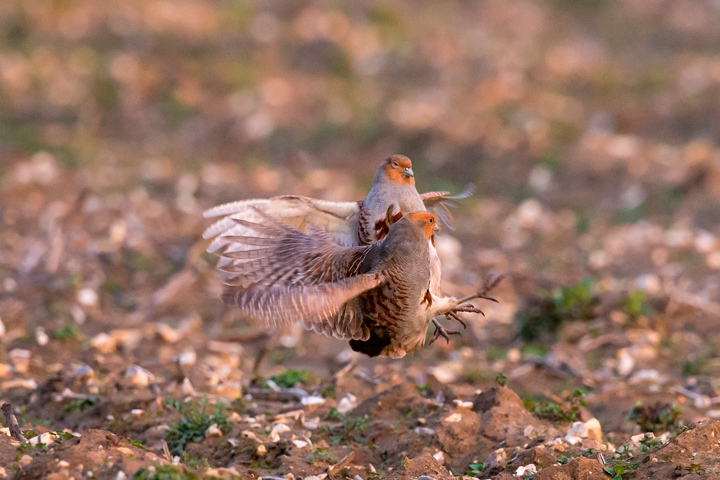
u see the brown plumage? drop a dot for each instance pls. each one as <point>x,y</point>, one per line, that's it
<point>346,223</point>
<point>375,296</point>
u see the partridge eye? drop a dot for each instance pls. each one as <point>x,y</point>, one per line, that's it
<point>395,164</point>
<point>431,220</point>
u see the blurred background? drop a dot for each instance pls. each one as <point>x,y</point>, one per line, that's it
<point>591,130</point>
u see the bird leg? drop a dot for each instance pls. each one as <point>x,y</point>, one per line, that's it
<point>441,331</point>
<point>461,305</point>
<point>262,353</point>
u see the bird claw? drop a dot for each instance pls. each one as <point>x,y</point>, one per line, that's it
<point>450,315</point>
<point>441,331</point>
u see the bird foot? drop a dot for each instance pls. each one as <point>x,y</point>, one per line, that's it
<point>441,331</point>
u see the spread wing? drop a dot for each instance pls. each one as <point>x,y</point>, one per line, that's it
<point>338,219</point>
<point>285,275</point>
<point>320,307</point>
<point>276,254</point>
<point>439,203</point>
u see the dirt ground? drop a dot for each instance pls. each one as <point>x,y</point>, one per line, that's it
<point>591,130</point>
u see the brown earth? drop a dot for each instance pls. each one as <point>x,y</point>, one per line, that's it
<point>590,129</point>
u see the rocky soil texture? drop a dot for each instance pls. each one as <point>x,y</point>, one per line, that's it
<point>589,128</point>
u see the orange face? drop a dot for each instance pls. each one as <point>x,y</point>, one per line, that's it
<point>398,169</point>
<point>427,221</point>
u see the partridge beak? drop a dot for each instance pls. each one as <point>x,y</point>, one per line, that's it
<point>436,229</point>
<point>408,172</point>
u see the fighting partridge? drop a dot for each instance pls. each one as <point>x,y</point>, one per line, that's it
<point>376,296</point>
<point>348,223</point>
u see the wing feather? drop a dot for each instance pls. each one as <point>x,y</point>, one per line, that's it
<point>289,257</point>
<point>278,279</point>
<point>439,203</point>
<point>338,219</point>
<point>313,305</point>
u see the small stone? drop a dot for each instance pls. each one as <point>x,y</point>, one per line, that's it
<point>424,431</point>
<point>594,429</point>
<point>312,400</point>
<point>579,430</point>
<point>347,403</point>
<point>300,443</point>
<point>4,369</point>
<point>139,376</point>
<point>213,431</point>
<point>44,438</point>
<point>125,451</point>
<point>104,343</point>
<point>634,442</point>
<point>121,476</point>
<point>88,297</point>
<point>167,333</point>
<point>443,375</point>
<point>540,178</point>
<point>186,358</point>
<point>25,460</point>
<point>460,404</point>
<point>625,362</point>
<point>3,473</point>
<point>497,459</point>
<point>280,428</point>
<point>454,418</point>
<point>21,359</point>
<point>127,338</point>
<point>250,435</point>
<point>63,464</point>
<point>261,450</point>
<point>41,337</point>
<point>28,383</point>
<point>513,355</point>
<point>705,242</point>
<point>84,372</point>
<point>573,439</point>
<point>530,469</point>
<point>311,424</point>
<point>647,375</point>
<point>136,412</point>
<point>187,388</point>
<point>440,457</point>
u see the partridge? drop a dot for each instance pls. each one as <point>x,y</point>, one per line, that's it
<point>348,223</point>
<point>376,296</point>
